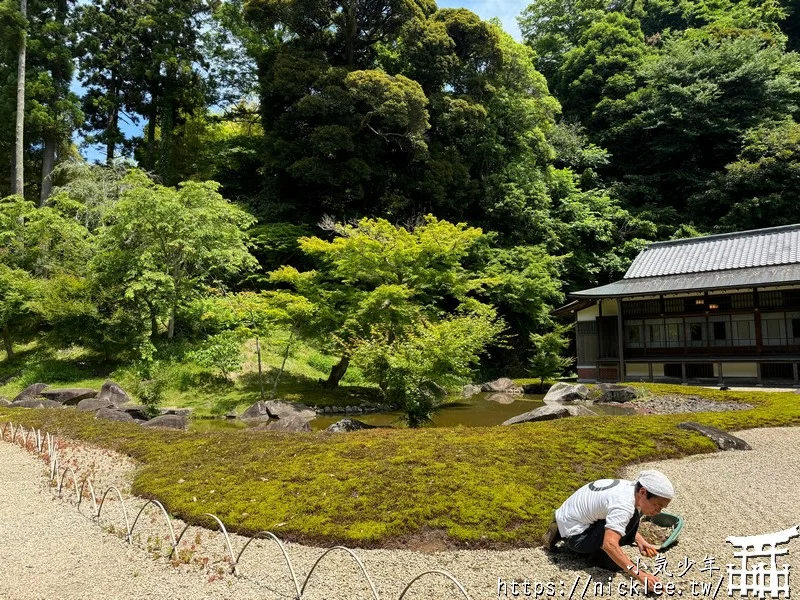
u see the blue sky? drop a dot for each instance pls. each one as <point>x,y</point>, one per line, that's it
<point>506,10</point>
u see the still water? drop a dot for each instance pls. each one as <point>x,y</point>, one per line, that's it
<point>478,411</point>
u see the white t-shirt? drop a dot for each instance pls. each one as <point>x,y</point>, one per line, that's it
<point>609,499</point>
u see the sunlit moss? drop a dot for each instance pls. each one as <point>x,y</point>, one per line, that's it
<point>485,486</point>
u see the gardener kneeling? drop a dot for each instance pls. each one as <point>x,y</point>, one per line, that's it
<point>604,515</point>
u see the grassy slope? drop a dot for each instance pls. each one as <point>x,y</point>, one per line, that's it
<point>483,486</point>
<point>187,384</point>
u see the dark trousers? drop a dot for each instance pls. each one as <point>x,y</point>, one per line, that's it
<point>590,541</point>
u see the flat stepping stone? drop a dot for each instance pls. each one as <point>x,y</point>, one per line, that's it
<point>30,392</point>
<point>36,403</point>
<point>346,425</point>
<point>723,439</point>
<point>68,395</point>
<point>168,422</point>
<point>92,404</point>
<point>543,413</point>
<point>114,415</point>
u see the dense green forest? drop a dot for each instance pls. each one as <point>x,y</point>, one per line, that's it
<point>406,187</point>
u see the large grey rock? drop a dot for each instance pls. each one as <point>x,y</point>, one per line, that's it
<point>36,403</point>
<point>184,412</point>
<point>470,390</point>
<point>532,388</point>
<point>611,392</point>
<point>293,423</point>
<point>577,410</point>
<point>92,404</point>
<point>32,391</point>
<point>723,439</point>
<point>168,421</point>
<point>566,392</point>
<point>543,413</point>
<point>501,398</point>
<point>114,415</point>
<point>433,389</point>
<point>69,395</point>
<point>278,409</point>
<point>137,411</point>
<point>112,392</point>
<point>347,425</point>
<point>257,411</point>
<point>504,384</point>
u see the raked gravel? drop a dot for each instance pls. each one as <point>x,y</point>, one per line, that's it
<point>51,550</point>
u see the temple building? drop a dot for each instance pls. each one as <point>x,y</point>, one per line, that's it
<point>710,310</point>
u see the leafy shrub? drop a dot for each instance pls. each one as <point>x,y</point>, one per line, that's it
<point>150,393</point>
<point>222,351</point>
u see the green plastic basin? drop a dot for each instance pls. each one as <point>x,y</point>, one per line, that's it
<point>665,519</point>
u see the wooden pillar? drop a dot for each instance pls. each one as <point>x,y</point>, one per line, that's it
<point>683,373</point>
<point>796,375</point>
<point>650,371</point>
<point>620,341</point>
<point>720,380</point>
<point>757,319</point>
<point>599,322</point>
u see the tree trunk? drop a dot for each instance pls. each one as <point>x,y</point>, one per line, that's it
<point>111,134</point>
<point>48,160</point>
<point>7,342</point>
<point>171,326</point>
<point>19,144</point>
<point>153,321</point>
<point>283,365</point>
<point>151,134</point>
<point>337,372</point>
<point>112,131</point>
<point>351,31</point>
<point>167,125</point>
<point>260,372</point>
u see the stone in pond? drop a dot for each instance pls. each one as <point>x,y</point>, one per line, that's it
<point>565,392</point>
<point>543,413</point>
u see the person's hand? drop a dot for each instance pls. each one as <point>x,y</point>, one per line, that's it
<point>647,549</point>
<point>649,582</point>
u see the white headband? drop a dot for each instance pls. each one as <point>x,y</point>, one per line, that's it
<point>656,483</point>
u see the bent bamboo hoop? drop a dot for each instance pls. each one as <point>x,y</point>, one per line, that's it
<point>74,482</point>
<point>124,510</point>
<point>436,572</point>
<point>227,539</point>
<point>354,556</point>
<point>273,537</point>
<point>87,481</point>
<point>166,516</point>
<point>50,442</point>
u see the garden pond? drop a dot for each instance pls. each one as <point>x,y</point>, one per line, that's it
<point>480,410</point>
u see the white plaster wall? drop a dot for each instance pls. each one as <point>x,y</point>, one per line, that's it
<point>740,370</point>
<point>610,308</point>
<point>637,370</point>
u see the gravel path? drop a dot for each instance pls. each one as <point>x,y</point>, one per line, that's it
<point>50,550</point>
<point>678,404</point>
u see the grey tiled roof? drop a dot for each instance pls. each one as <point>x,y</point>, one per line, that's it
<point>732,260</point>
<point>714,280</point>
<point>756,248</point>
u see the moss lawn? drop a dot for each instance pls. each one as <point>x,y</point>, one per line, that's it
<point>486,487</point>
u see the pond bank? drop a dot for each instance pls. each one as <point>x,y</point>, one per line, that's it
<point>83,561</point>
